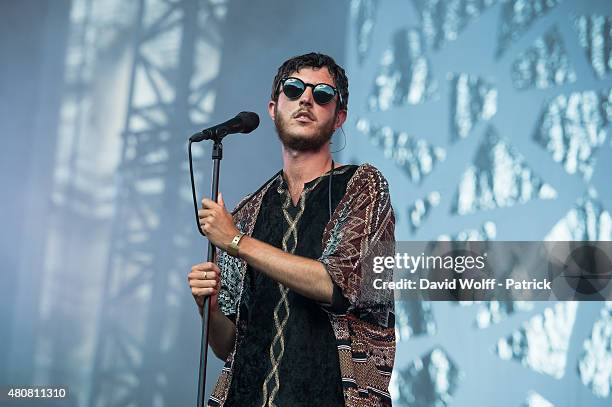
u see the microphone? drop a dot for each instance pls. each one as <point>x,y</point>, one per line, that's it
<point>244,122</point>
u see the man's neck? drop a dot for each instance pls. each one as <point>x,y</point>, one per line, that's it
<point>301,167</point>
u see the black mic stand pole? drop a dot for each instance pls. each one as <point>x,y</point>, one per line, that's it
<point>217,155</point>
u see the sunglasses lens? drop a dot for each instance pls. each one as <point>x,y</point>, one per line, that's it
<point>323,94</point>
<point>293,88</point>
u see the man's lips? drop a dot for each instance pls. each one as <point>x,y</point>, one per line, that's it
<point>304,117</point>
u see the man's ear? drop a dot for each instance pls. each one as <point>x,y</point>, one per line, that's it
<point>271,109</point>
<point>340,118</point>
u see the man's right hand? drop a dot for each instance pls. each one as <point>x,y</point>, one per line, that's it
<point>204,281</point>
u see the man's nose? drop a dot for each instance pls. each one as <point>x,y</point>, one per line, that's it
<point>306,98</point>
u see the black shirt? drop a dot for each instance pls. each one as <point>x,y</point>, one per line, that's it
<point>289,355</point>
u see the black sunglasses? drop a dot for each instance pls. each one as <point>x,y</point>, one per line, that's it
<point>321,92</point>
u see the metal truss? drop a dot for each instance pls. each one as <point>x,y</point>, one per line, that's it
<point>144,300</point>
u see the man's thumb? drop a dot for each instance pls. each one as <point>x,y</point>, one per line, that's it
<point>220,200</point>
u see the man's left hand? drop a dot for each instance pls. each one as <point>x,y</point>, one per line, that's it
<point>217,223</point>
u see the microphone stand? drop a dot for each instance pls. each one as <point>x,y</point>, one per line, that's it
<point>217,155</point>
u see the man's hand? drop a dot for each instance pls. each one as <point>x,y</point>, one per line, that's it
<point>204,281</point>
<point>217,223</point>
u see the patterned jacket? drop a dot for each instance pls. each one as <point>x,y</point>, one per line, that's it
<point>365,335</point>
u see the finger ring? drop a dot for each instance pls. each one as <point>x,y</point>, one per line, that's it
<point>204,275</point>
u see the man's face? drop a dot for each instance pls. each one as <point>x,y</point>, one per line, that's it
<point>302,124</point>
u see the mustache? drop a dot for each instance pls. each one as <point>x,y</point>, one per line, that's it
<point>304,112</point>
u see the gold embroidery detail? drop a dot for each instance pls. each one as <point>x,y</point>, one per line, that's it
<point>289,246</point>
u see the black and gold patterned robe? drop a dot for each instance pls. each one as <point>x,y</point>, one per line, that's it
<point>361,224</point>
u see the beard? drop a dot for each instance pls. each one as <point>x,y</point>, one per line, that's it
<point>298,142</point>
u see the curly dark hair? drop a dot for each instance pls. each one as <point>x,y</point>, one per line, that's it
<point>313,60</point>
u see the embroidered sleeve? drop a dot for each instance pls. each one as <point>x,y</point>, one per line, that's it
<point>363,226</point>
<point>230,282</point>
<point>231,269</point>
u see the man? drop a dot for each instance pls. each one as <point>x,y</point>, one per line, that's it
<point>293,310</point>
